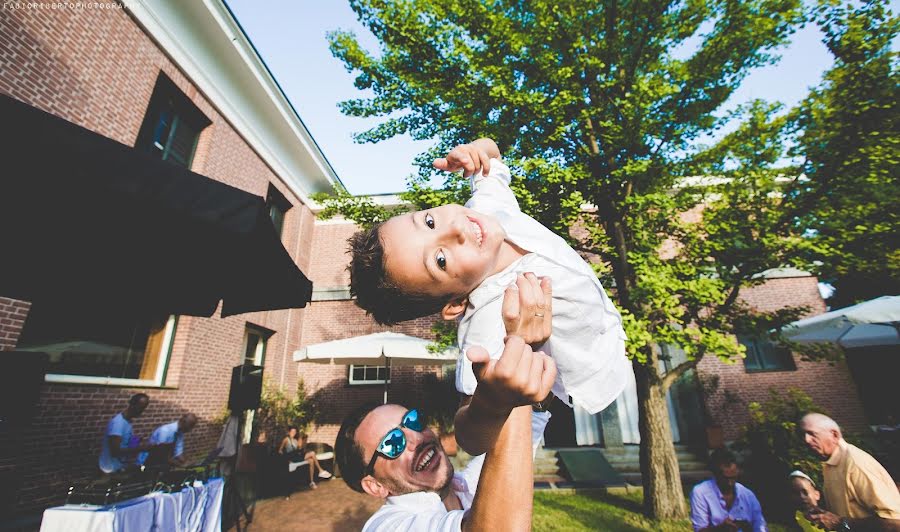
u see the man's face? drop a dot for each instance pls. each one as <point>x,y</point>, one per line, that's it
<point>187,424</point>
<point>821,441</point>
<point>138,407</point>
<point>445,250</point>
<point>805,495</point>
<point>422,466</point>
<point>726,477</point>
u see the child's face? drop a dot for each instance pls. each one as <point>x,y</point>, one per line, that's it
<point>446,250</point>
<point>805,495</point>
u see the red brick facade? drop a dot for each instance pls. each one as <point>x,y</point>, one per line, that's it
<point>98,69</point>
<point>830,386</point>
<point>12,317</point>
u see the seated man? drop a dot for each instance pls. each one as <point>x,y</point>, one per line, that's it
<point>171,435</point>
<point>721,504</point>
<point>386,452</point>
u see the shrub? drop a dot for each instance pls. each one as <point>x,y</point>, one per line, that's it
<point>774,447</point>
<point>441,400</point>
<point>277,410</point>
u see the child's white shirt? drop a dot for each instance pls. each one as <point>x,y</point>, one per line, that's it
<point>587,342</point>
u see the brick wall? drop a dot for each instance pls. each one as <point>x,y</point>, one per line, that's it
<point>12,317</point>
<point>97,68</point>
<point>829,385</point>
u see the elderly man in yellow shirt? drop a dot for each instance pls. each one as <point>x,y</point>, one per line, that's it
<point>859,491</point>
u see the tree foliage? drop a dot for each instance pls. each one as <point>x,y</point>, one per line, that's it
<point>849,140</point>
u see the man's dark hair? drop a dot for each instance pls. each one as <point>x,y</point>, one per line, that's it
<point>375,293</point>
<point>138,398</point>
<point>721,457</point>
<point>347,451</point>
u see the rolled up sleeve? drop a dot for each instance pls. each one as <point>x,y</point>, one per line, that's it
<point>699,510</point>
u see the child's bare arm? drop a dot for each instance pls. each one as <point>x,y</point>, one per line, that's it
<point>471,158</point>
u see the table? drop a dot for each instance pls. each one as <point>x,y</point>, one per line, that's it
<point>197,508</point>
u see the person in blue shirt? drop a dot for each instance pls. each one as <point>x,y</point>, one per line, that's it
<point>722,504</point>
<point>118,451</point>
<point>172,434</point>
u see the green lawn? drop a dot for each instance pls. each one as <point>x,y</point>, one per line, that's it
<point>599,511</point>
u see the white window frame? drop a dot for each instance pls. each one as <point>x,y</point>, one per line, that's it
<point>259,354</point>
<point>158,378</point>
<point>354,382</point>
<point>258,360</point>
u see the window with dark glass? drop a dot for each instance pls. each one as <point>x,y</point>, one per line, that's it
<point>369,374</point>
<point>764,355</point>
<point>97,342</point>
<point>171,125</point>
<point>278,206</point>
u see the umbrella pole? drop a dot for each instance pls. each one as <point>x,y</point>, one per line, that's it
<point>387,376</point>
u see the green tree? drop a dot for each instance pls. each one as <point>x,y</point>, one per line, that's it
<point>590,106</point>
<point>850,142</point>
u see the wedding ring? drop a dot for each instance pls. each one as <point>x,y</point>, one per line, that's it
<point>539,314</point>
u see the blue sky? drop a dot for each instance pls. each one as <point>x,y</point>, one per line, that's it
<point>290,36</point>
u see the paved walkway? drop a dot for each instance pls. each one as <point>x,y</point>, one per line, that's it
<point>333,508</point>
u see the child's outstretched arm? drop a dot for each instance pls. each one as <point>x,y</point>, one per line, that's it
<point>470,158</point>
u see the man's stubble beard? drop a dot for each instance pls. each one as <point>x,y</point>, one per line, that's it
<point>398,488</point>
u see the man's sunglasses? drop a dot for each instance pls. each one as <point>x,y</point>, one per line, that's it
<point>394,442</point>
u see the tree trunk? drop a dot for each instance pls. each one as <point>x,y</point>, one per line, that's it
<point>660,475</point>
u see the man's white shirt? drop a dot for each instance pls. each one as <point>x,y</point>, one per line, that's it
<point>587,342</point>
<point>425,511</point>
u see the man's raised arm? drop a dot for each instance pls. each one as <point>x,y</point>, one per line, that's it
<point>503,500</point>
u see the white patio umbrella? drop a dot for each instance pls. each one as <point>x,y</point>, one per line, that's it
<point>873,322</point>
<point>384,348</point>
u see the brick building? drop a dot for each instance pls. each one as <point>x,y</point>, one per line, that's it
<point>179,80</point>
<point>830,386</point>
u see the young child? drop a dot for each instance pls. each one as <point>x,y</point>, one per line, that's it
<point>459,260</point>
<point>806,497</point>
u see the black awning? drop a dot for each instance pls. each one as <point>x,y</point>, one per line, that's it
<point>83,216</point>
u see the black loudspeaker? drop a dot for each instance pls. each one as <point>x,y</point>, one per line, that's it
<point>20,386</point>
<point>246,387</point>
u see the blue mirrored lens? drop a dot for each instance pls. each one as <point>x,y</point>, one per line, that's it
<point>393,444</point>
<point>411,421</point>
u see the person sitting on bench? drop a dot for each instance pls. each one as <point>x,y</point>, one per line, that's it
<point>294,447</point>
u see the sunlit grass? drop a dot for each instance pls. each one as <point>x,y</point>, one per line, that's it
<point>599,511</point>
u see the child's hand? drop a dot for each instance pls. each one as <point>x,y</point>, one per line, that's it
<point>519,377</point>
<point>470,158</point>
<point>528,309</point>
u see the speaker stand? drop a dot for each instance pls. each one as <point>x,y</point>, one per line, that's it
<point>231,498</point>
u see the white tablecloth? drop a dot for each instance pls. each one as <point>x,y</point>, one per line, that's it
<point>194,509</point>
